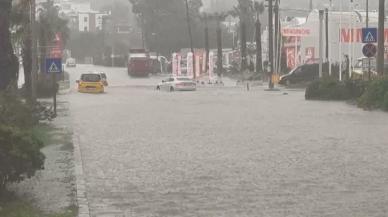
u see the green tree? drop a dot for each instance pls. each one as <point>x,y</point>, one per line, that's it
<point>50,24</point>
<point>246,12</point>
<point>163,23</point>
<point>8,61</point>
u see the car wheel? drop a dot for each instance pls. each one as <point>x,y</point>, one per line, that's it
<point>171,89</point>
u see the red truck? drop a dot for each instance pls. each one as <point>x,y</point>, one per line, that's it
<point>139,63</point>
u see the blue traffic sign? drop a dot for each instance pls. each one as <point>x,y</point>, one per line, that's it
<point>369,35</point>
<point>53,65</point>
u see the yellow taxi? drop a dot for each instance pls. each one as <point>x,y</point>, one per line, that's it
<point>91,83</point>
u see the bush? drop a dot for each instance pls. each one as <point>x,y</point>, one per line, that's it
<point>20,155</point>
<point>331,89</point>
<point>374,95</point>
<point>385,102</point>
<point>15,112</point>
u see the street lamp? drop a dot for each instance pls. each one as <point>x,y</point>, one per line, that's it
<point>190,35</point>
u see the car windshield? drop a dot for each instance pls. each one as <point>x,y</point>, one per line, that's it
<point>91,78</point>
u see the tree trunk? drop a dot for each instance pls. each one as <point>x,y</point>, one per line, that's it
<point>207,47</point>
<point>259,58</point>
<point>219,49</point>
<point>243,46</point>
<point>27,64</point>
<point>8,60</point>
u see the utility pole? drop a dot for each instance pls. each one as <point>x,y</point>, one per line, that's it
<point>207,43</point>
<point>321,12</point>
<point>34,65</point>
<point>190,36</point>
<point>277,45</point>
<point>327,33</point>
<point>327,37</point>
<point>219,46</point>
<point>380,38</point>
<point>270,43</point>
<point>311,5</point>
<point>367,25</point>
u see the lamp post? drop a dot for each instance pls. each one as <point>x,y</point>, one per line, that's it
<point>34,66</point>
<point>190,36</point>
<point>270,44</point>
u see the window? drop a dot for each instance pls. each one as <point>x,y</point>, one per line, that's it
<point>85,19</point>
<point>91,77</point>
<point>85,28</point>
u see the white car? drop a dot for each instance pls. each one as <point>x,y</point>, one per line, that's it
<point>177,84</point>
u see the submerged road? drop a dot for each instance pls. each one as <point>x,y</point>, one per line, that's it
<point>227,152</point>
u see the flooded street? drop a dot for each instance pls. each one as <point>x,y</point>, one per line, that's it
<point>227,152</point>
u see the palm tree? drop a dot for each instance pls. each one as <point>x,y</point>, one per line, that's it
<point>259,9</point>
<point>8,61</point>
<point>243,10</point>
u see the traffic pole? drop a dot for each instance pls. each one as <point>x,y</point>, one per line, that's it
<point>321,13</point>
<point>55,89</point>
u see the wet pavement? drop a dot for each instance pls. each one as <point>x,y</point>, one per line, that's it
<point>227,152</point>
<point>52,190</point>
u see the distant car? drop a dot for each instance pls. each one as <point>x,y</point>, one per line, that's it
<point>303,73</point>
<point>177,84</point>
<point>90,83</point>
<point>70,62</point>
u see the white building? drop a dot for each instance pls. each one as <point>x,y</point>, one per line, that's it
<point>345,36</point>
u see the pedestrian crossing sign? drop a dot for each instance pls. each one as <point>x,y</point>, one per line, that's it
<point>369,35</point>
<point>53,65</point>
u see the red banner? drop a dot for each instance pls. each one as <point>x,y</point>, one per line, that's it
<point>56,50</point>
<point>299,32</point>
<point>355,35</point>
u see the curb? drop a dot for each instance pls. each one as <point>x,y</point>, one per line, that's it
<point>81,195</point>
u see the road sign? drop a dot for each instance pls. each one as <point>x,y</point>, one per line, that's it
<point>53,65</point>
<point>369,35</point>
<point>369,50</point>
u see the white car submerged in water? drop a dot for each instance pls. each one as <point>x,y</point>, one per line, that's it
<point>177,84</point>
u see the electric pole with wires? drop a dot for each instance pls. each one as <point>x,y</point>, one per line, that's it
<point>190,36</point>
<point>380,38</point>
